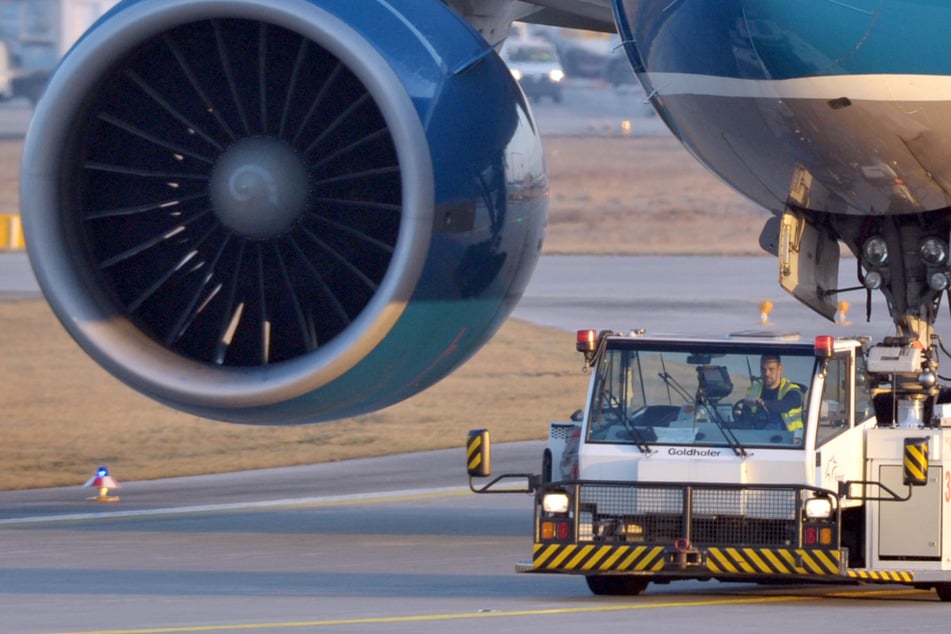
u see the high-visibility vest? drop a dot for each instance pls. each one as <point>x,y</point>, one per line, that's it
<point>792,418</point>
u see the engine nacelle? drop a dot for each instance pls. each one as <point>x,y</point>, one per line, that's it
<point>282,211</point>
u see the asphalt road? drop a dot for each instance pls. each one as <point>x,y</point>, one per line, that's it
<point>698,295</point>
<point>702,295</point>
<point>380,545</point>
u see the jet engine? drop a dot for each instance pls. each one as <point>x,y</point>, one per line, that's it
<point>282,211</point>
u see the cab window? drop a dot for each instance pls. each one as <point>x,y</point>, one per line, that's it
<point>864,407</point>
<point>691,394</point>
<point>835,408</point>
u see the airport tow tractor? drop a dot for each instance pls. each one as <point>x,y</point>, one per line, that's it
<point>671,472</point>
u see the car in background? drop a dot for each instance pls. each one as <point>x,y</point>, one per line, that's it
<point>536,67</point>
<point>617,70</point>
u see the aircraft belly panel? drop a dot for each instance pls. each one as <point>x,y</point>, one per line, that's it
<point>876,156</point>
<point>855,95</point>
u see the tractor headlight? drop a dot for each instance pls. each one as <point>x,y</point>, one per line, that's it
<point>556,502</point>
<point>819,508</point>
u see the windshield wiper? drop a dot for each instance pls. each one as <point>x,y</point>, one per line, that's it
<point>726,430</point>
<point>671,382</point>
<point>615,405</point>
<point>703,400</point>
<point>638,437</point>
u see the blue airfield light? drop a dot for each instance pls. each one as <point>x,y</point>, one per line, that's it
<point>103,481</point>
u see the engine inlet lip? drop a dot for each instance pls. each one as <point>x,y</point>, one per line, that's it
<point>91,316</point>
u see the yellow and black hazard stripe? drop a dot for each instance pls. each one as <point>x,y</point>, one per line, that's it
<point>598,557</point>
<point>883,576</point>
<point>915,462</point>
<point>774,561</point>
<point>582,558</point>
<point>478,461</point>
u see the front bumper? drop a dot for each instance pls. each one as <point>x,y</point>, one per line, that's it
<point>719,562</point>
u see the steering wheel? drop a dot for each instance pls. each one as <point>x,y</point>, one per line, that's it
<point>744,412</point>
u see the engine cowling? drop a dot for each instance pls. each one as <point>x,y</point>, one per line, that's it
<point>282,211</point>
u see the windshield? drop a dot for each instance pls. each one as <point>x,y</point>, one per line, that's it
<point>701,395</point>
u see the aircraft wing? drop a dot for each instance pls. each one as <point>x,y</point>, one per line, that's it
<point>589,15</point>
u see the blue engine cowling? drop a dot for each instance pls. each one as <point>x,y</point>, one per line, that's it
<point>282,211</point>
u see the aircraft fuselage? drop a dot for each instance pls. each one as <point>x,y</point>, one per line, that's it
<point>834,116</point>
<point>856,94</point>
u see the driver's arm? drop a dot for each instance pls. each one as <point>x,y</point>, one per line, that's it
<point>792,399</point>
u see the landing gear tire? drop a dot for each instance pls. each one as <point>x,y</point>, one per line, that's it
<point>943,590</point>
<point>616,584</point>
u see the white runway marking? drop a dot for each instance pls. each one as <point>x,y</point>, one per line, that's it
<point>327,500</point>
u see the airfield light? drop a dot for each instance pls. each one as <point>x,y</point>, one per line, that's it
<point>103,481</point>
<point>873,280</point>
<point>933,251</point>
<point>876,251</point>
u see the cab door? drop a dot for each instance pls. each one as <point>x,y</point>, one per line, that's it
<point>844,411</point>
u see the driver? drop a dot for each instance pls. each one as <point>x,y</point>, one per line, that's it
<point>778,396</point>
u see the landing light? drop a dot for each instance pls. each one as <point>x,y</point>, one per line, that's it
<point>876,251</point>
<point>933,251</point>
<point>938,280</point>
<point>873,280</point>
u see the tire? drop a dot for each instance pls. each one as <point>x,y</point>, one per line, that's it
<point>943,590</point>
<point>614,585</point>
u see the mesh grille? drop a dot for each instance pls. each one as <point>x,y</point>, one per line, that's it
<point>704,515</point>
<point>560,431</point>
